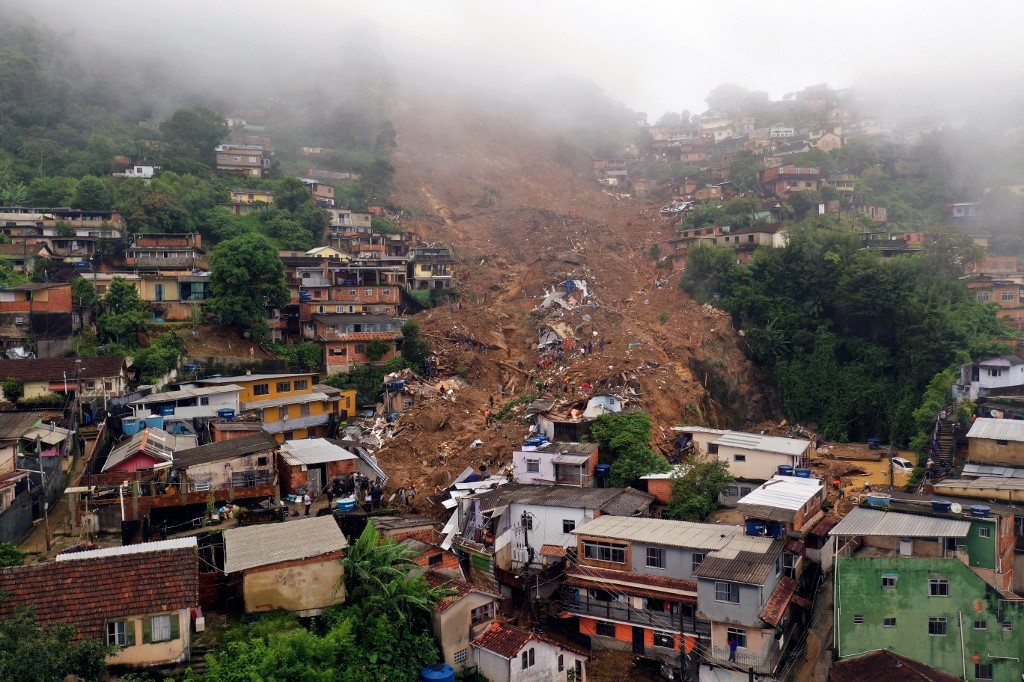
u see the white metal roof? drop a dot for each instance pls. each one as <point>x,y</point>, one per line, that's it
<point>677,469</point>
<point>250,377</point>
<point>997,429</point>
<point>47,433</point>
<point>141,548</point>
<point>314,451</point>
<point>992,471</point>
<point>784,492</point>
<point>272,543</point>
<point>706,536</point>
<point>186,392</point>
<point>875,522</point>
<point>761,443</point>
<point>289,400</point>
<point>575,460</point>
<point>699,429</point>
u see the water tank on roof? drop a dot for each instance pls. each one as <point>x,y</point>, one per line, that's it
<point>602,472</point>
<point>942,505</point>
<point>155,422</point>
<point>226,413</point>
<point>755,527</point>
<point>441,672</point>
<point>130,426</point>
<point>878,499</point>
<point>785,470</point>
<point>980,511</point>
<point>166,410</point>
<point>803,472</point>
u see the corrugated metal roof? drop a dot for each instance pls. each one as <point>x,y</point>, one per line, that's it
<point>706,536</point>
<point>746,559</point>
<point>617,501</point>
<point>997,429</point>
<point>982,483</point>
<point>992,471</point>
<point>575,460</point>
<point>783,492</point>
<point>314,451</point>
<point>289,400</point>
<point>187,392</point>
<point>141,548</point>
<point>875,522</point>
<point>273,543</point>
<point>756,441</point>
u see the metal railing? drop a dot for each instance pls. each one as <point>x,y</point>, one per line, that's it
<point>623,612</point>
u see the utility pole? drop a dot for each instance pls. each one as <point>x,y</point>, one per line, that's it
<point>46,502</point>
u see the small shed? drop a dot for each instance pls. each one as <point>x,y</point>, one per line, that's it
<point>313,463</point>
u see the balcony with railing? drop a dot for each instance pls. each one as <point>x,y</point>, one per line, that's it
<point>763,662</point>
<point>578,602</point>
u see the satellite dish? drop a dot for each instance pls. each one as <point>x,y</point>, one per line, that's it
<point>955,508</point>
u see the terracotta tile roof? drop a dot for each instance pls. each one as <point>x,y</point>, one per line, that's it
<point>822,528</point>
<point>633,584</point>
<point>796,546</point>
<point>800,601</point>
<point>776,605</point>
<point>886,666</point>
<point>507,640</point>
<point>88,592</point>
<point>552,550</point>
<point>54,369</point>
<point>461,588</point>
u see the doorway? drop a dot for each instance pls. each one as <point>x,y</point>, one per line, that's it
<point>638,640</point>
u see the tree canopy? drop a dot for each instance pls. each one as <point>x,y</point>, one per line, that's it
<point>696,486</point>
<point>124,314</point>
<point>626,436</point>
<point>246,278</point>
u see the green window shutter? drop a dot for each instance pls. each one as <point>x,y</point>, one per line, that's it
<point>129,633</point>
<point>147,630</point>
<point>175,625</point>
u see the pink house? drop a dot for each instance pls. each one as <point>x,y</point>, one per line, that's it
<point>147,449</point>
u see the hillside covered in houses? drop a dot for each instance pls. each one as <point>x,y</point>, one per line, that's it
<point>352,373</point>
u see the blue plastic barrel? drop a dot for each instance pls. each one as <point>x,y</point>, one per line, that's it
<point>155,422</point>
<point>785,470</point>
<point>442,672</point>
<point>226,413</point>
<point>942,505</point>
<point>130,426</point>
<point>803,472</point>
<point>980,511</point>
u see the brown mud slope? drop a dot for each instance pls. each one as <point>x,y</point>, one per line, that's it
<point>520,224</point>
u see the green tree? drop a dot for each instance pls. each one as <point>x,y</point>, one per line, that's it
<point>161,357</point>
<point>52,191</point>
<point>292,194</point>
<point>194,134</point>
<point>634,461</point>
<point>30,651</point>
<point>246,278</point>
<point>14,389</point>
<point>415,348</point>
<point>743,170</point>
<point>83,292</point>
<point>382,225</point>
<point>377,349</point>
<point>626,437</point>
<point>124,314</point>
<point>696,487</point>
<point>10,555</point>
<point>91,195</point>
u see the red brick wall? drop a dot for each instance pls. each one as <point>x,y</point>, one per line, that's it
<point>423,535</point>
<point>219,436</point>
<point>449,561</point>
<point>660,488</point>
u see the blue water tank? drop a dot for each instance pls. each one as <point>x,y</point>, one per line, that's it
<point>785,470</point>
<point>154,422</point>
<point>167,410</point>
<point>980,511</point>
<point>442,672</point>
<point>130,426</point>
<point>878,499</point>
<point>226,413</point>
<point>942,505</point>
<point>755,527</point>
<point>803,472</point>
<point>346,504</point>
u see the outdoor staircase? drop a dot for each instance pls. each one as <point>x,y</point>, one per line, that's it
<point>947,442</point>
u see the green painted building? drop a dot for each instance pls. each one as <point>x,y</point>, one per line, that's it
<point>934,610</point>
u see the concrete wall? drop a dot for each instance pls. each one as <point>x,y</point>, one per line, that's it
<point>860,592</point>
<point>492,666</point>
<point>297,586</point>
<point>985,451</point>
<point>220,477</point>
<point>547,524</point>
<point>759,466</point>
<point>747,611</point>
<point>454,631</point>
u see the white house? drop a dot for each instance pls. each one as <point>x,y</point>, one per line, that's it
<point>701,436</point>
<point>563,463</point>
<point>755,457</point>
<point>144,172</point>
<point>189,401</point>
<point>985,378</point>
<point>510,654</point>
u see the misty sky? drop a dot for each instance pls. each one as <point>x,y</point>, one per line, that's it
<point>652,56</point>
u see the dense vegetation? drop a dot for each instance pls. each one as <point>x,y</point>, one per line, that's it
<point>626,437</point>
<point>851,339</point>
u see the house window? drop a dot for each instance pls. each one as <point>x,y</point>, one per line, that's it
<point>604,551</point>
<point>727,592</point>
<point>1007,626</point>
<point>982,295</point>
<point>655,557</point>
<point>304,410</point>
<point>1001,442</point>
<point>528,658</point>
<point>981,625</point>
<point>108,386</point>
<point>91,385</point>
<point>732,491</point>
<point>605,628</point>
<point>889,622</point>
<point>561,662</point>
<point>367,292</point>
<point>301,384</point>
<point>161,629</point>
<point>937,627</point>
<point>889,581</point>
<point>664,639</point>
<point>712,448</point>
<point>360,348</point>
<point>386,292</point>
<point>938,587</point>
<point>435,560</point>
<point>282,412</point>
<point>739,634</point>
<point>983,671</point>
<point>739,458</point>
<point>568,525</point>
<point>461,656</point>
<point>289,435</point>
<point>533,466</point>
<point>698,559</point>
<point>261,389</point>
<point>744,491</point>
<point>483,613</point>
<point>1007,296</point>
<point>121,633</point>
<point>351,292</point>
<point>985,532</point>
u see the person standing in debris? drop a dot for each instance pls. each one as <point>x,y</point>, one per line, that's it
<point>308,501</point>
<point>492,401</point>
<point>402,496</point>
<point>330,498</point>
<point>487,417</point>
<point>601,344</point>
<point>376,493</point>
<point>522,365</point>
<point>411,495</point>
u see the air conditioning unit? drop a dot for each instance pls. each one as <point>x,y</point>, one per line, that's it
<point>19,320</point>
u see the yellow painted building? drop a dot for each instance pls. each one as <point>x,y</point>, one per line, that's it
<point>292,406</point>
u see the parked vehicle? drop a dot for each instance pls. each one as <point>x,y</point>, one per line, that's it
<point>902,464</point>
